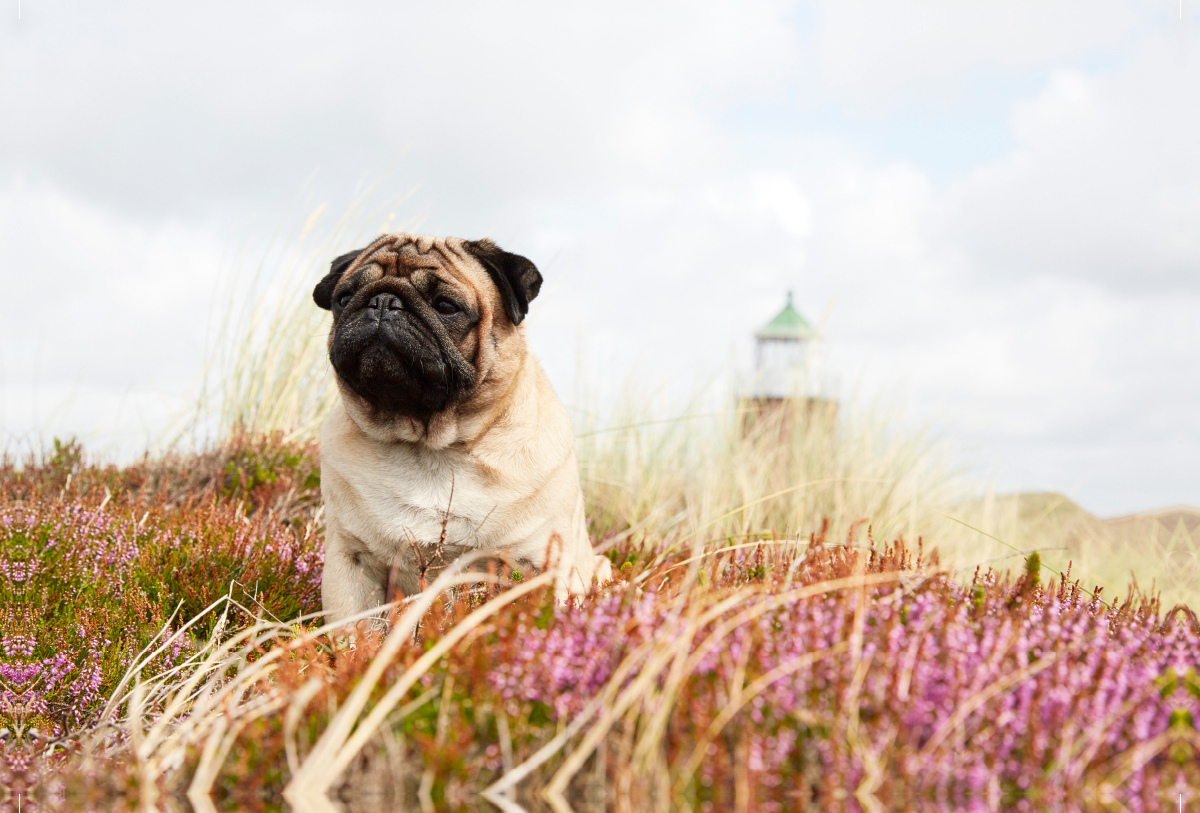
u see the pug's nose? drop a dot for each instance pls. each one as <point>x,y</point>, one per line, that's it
<point>382,305</point>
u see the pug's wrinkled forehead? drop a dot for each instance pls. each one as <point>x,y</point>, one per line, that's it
<point>418,257</point>
<point>400,255</point>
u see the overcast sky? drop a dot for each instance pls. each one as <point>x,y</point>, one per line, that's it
<point>997,203</point>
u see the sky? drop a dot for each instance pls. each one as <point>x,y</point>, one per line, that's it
<point>992,208</point>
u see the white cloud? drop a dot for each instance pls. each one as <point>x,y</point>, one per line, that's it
<point>97,309</point>
<point>1105,185</point>
<point>651,160</point>
<point>778,195</point>
<point>880,55</point>
<point>488,104</point>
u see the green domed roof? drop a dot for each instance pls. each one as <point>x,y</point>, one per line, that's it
<point>789,324</point>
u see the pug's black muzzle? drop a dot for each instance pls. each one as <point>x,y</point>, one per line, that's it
<point>398,358</point>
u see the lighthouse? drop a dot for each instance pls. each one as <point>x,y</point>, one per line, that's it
<point>785,357</point>
<point>787,369</point>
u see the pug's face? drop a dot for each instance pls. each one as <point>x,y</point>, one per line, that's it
<point>413,317</point>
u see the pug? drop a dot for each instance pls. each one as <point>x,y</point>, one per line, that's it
<point>447,438</point>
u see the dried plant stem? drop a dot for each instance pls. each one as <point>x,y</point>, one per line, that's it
<point>684,773</point>
<point>336,746</point>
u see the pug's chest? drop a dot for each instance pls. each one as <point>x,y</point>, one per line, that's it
<point>424,507</point>
<point>404,522</point>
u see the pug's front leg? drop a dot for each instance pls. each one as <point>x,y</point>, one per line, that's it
<point>353,580</point>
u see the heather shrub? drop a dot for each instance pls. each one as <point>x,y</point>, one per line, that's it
<point>85,586</point>
<point>752,671</point>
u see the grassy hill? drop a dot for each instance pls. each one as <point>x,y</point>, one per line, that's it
<point>1158,550</point>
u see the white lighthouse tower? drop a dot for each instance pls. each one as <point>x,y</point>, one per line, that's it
<point>787,371</point>
<point>787,357</point>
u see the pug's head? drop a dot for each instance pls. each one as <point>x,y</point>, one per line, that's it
<point>421,323</point>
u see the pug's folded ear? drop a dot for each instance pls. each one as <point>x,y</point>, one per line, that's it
<point>517,279</point>
<point>323,293</point>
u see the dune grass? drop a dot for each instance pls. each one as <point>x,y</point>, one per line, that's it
<point>266,370</point>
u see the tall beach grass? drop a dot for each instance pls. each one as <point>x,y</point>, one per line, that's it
<point>266,370</point>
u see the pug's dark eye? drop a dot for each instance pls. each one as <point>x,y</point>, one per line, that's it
<point>344,301</point>
<point>445,307</point>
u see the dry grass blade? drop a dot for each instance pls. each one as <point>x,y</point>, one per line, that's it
<point>213,701</point>
<point>239,716</point>
<point>760,684</point>
<point>643,686</point>
<point>291,721</point>
<point>268,372</point>
<point>336,747</point>
<point>769,603</point>
<point>518,774</point>
<point>603,700</point>
<point>996,687</point>
<point>195,702</point>
<point>1076,754</point>
<point>1142,753</point>
<point>634,693</point>
<point>367,727</point>
<point>117,698</point>
<point>199,699</point>
<point>657,722</point>
<point>206,770</point>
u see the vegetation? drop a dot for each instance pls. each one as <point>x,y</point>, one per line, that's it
<point>146,654</point>
<point>795,623</point>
